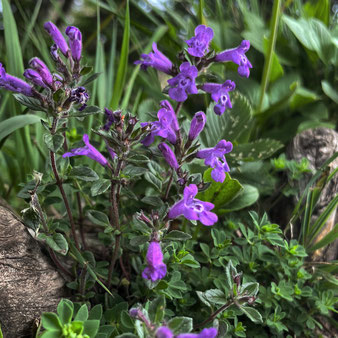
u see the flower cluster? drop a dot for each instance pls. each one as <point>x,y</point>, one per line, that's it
<point>38,75</point>
<point>183,81</point>
<point>165,332</point>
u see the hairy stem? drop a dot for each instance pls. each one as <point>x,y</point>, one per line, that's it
<point>62,191</point>
<point>213,315</point>
<point>168,186</point>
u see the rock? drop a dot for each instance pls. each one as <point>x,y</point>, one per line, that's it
<point>318,145</point>
<point>29,283</point>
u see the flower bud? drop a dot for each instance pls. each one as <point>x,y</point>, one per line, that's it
<point>197,125</point>
<point>169,155</point>
<point>133,312</point>
<point>57,37</point>
<point>43,71</point>
<point>75,42</point>
<point>35,77</point>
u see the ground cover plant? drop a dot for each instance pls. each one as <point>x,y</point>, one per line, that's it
<point>154,170</point>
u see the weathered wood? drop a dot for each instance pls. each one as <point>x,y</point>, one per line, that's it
<point>29,284</point>
<point>318,145</point>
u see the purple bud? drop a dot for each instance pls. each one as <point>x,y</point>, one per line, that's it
<point>79,95</point>
<point>57,37</point>
<point>35,77</point>
<point>169,155</point>
<point>197,125</point>
<point>14,84</point>
<point>110,119</point>
<point>164,332</point>
<point>43,71</point>
<point>134,312</point>
<point>75,42</point>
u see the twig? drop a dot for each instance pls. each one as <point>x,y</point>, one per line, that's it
<point>213,315</point>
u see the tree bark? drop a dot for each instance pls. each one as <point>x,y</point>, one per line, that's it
<point>29,283</point>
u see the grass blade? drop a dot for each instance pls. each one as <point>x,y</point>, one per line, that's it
<point>329,238</point>
<point>123,64</point>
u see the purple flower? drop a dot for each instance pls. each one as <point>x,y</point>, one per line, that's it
<point>219,93</point>
<point>89,151</point>
<point>214,157</point>
<point>79,95</point>
<point>197,125</point>
<point>155,60</point>
<point>192,208</point>
<point>164,332</point>
<point>205,333</point>
<point>199,44</point>
<point>35,77</point>
<point>168,155</point>
<point>57,37</point>
<point>43,71</point>
<point>166,126</point>
<point>134,312</point>
<point>156,269</point>
<point>75,42</point>
<point>184,83</point>
<point>237,55</point>
<point>14,84</point>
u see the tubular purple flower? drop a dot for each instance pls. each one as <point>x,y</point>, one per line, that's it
<point>79,95</point>
<point>34,77</point>
<point>75,42</point>
<point>166,126</point>
<point>54,52</point>
<point>214,157</point>
<point>192,208</point>
<point>199,44</point>
<point>14,84</point>
<point>197,125</point>
<point>219,93</point>
<point>184,83</point>
<point>43,71</point>
<point>205,333</point>
<point>57,37</point>
<point>164,332</point>
<point>156,269</point>
<point>237,55</point>
<point>89,151</point>
<point>155,60</point>
<point>168,155</point>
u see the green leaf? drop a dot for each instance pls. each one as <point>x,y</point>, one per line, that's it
<point>98,218</point>
<point>91,78</point>
<point>82,314</point>
<point>99,187</point>
<point>313,35</point>
<point>29,102</point>
<point>254,151</point>
<point>276,70</point>
<point>152,200</point>
<point>252,313</point>
<point>86,70</point>
<point>176,235</point>
<point>329,238</point>
<point>90,110</point>
<point>96,312</point>
<point>219,193</point>
<point>91,327</point>
<point>151,178</point>
<point>247,197</point>
<point>229,126</point>
<point>302,97</point>
<point>318,9</point>
<point>65,311</point>
<point>329,91</point>
<point>215,296</point>
<point>51,322</point>
<point>156,309</point>
<point>139,240</point>
<point>84,174</point>
<point>53,142</point>
<point>58,243</point>
<point>126,321</point>
<point>123,64</point>
<point>180,325</point>
<point>16,122</point>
